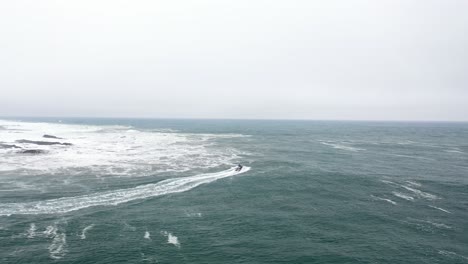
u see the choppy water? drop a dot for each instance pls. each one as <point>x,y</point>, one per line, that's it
<point>164,191</point>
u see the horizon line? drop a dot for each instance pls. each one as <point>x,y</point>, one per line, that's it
<point>241,119</point>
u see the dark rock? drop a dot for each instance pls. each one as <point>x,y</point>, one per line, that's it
<point>32,151</point>
<point>42,142</point>
<point>50,136</point>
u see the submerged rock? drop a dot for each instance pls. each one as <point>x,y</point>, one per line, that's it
<point>50,136</point>
<point>42,142</point>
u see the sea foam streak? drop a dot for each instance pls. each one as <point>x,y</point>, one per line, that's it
<point>440,209</point>
<point>68,204</point>
<point>85,230</point>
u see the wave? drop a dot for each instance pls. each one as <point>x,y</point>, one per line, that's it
<point>440,209</point>
<point>384,199</point>
<point>115,197</point>
<point>428,223</point>
<point>413,183</point>
<point>454,151</point>
<point>388,182</point>
<point>32,230</point>
<point>420,193</point>
<point>403,196</point>
<point>85,230</point>
<point>58,247</point>
<point>452,254</point>
<point>340,146</point>
<point>171,239</point>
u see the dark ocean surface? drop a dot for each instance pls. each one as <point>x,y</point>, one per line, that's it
<point>164,191</point>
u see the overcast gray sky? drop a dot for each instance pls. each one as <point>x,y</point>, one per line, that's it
<point>349,59</point>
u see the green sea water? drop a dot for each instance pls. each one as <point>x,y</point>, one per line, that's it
<point>164,191</point>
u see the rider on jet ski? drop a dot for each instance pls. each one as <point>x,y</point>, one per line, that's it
<point>239,167</point>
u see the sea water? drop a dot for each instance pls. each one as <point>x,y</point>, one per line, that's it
<point>165,191</point>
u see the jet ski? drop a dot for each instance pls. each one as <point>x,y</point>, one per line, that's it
<point>239,167</point>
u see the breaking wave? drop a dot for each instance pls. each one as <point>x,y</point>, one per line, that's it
<point>115,197</point>
<point>384,199</point>
<point>420,193</point>
<point>403,196</point>
<point>171,239</point>
<point>340,146</point>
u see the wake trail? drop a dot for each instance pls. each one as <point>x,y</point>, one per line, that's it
<point>115,197</point>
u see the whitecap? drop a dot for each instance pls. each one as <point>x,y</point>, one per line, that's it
<point>420,193</point>
<point>439,225</point>
<point>341,146</point>
<point>413,183</point>
<point>454,151</point>
<point>147,235</point>
<point>387,182</point>
<point>452,254</point>
<point>403,196</point>
<point>193,214</point>
<point>440,209</point>
<point>171,239</point>
<point>384,199</point>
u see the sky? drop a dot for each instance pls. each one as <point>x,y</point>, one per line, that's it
<point>246,59</point>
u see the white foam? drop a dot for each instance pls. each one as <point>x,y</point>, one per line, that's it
<point>440,209</point>
<point>420,193</point>
<point>341,146</point>
<point>455,151</point>
<point>147,235</point>
<point>452,254</point>
<point>388,182</point>
<point>85,230</point>
<point>439,225</point>
<point>58,247</point>
<point>50,231</point>
<point>109,150</point>
<point>413,183</point>
<point>403,196</point>
<point>171,239</point>
<point>128,227</point>
<point>384,199</point>
<point>115,197</point>
<point>193,214</point>
<point>32,230</point>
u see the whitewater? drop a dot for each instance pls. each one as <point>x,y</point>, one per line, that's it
<point>84,190</point>
<point>115,197</point>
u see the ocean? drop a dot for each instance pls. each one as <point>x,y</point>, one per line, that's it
<point>80,190</point>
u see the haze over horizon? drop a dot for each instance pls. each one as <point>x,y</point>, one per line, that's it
<point>333,60</point>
